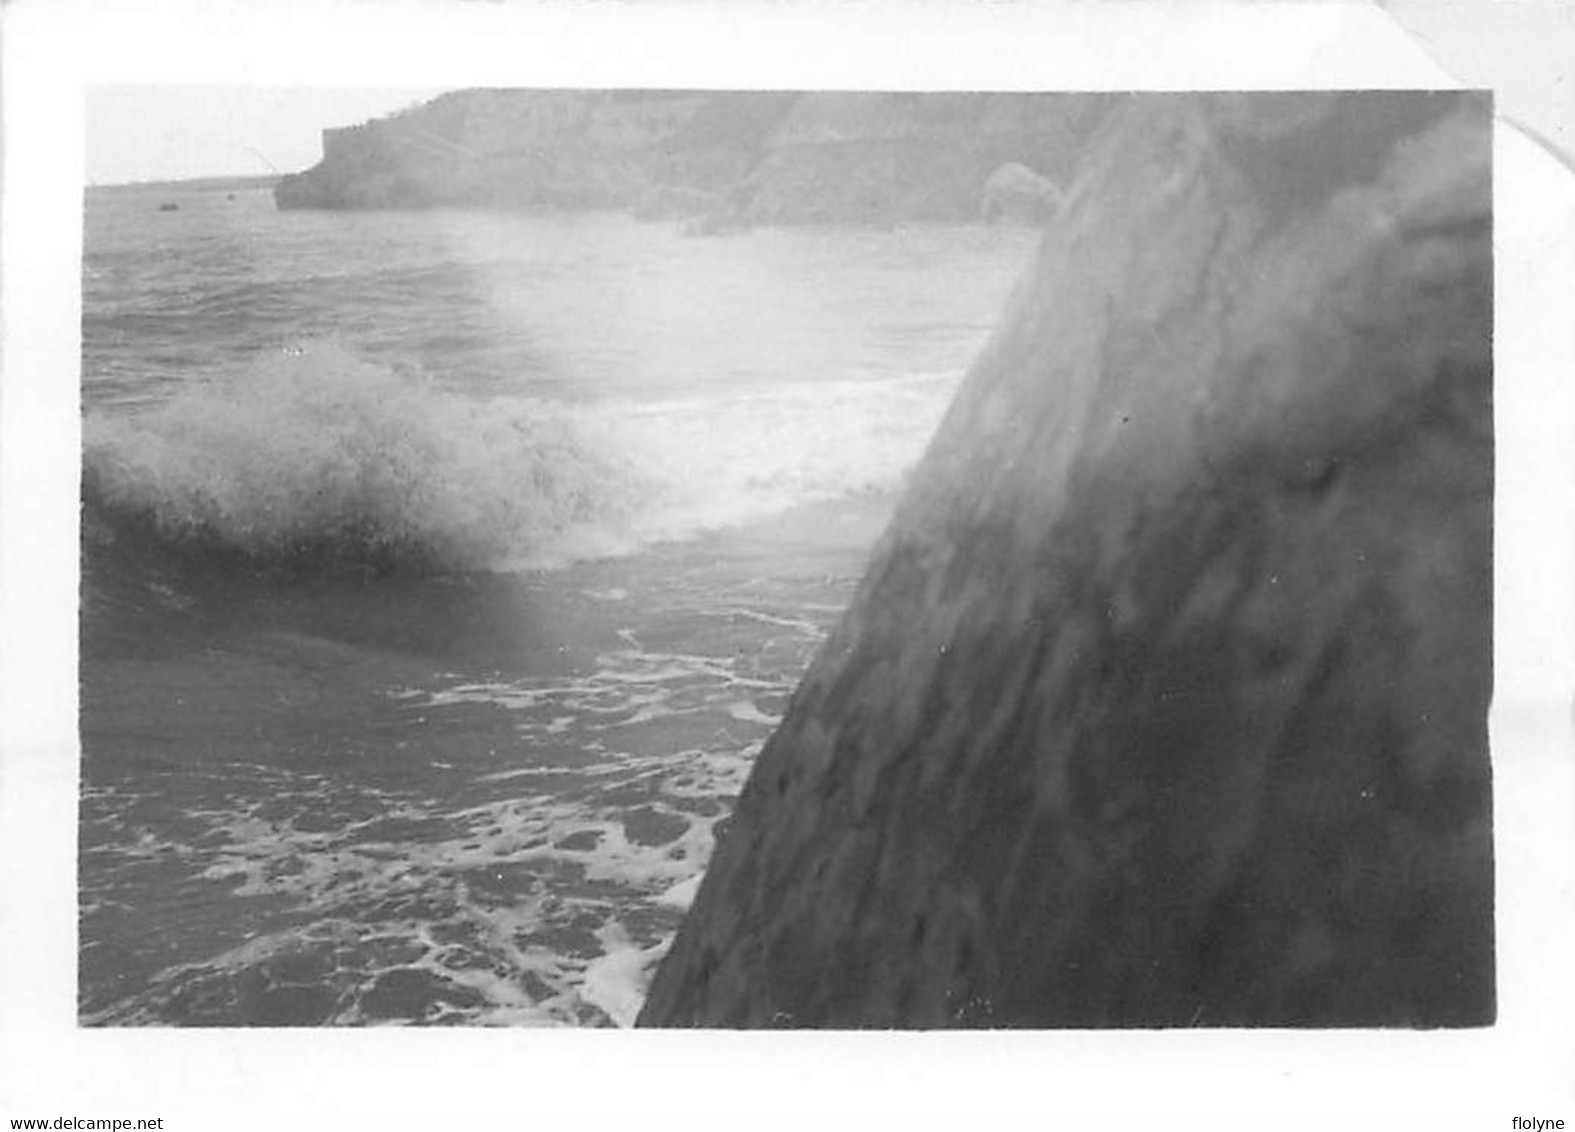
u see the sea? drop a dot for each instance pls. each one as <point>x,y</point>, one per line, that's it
<point>444,571</point>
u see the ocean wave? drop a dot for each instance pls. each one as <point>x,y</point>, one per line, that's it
<point>320,457</point>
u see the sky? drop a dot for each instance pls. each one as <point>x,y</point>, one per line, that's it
<point>155,133</point>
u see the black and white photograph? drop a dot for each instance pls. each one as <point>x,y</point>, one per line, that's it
<point>636,550</point>
<point>545,486</point>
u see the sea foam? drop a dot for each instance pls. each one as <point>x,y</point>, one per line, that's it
<point>318,455</point>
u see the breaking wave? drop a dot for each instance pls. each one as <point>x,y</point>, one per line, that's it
<point>319,457</point>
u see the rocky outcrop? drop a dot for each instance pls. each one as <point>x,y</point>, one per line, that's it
<point>874,158</point>
<point>502,148</point>
<point>1015,194</point>
<point>1163,701</point>
<point>759,157</point>
<point>539,149</point>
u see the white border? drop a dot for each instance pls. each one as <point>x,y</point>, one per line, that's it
<point>383,1079</point>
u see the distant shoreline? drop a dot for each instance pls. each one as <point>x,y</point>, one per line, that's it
<point>720,161</point>
<point>193,184</point>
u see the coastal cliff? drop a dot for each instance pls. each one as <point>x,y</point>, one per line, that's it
<point>1163,701</point>
<point>733,158</point>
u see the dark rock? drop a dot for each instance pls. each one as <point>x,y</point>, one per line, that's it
<point>1163,701</point>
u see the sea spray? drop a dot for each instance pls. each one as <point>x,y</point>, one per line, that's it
<point>317,456</point>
